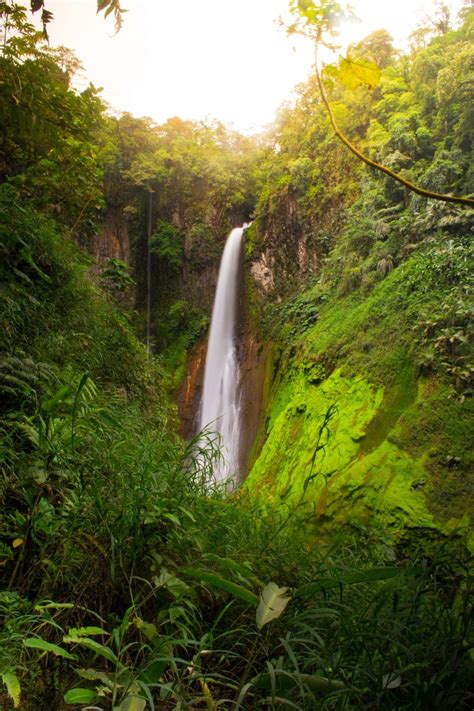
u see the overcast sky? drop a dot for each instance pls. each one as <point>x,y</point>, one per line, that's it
<point>198,59</point>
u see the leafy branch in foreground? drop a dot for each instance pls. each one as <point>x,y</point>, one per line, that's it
<point>106,6</point>
<point>314,20</point>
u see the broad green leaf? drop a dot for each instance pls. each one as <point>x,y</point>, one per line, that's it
<point>353,72</point>
<point>153,673</point>
<point>94,646</point>
<point>96,675</point>
<point>148,629</point>
<point>272,603</point>
<point>80,696</point>
<point>188,514</point>
<point>85,631</point>
<point>132,703</point>
<point>223,584</point>
<point>173,518</point>
<point>366,576</point>
<point>10,680</point>
<point>37,643</point>
<point>177,587</point>
<point>232,565</point>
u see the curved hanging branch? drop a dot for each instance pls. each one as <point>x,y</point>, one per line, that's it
<point>378,166</point>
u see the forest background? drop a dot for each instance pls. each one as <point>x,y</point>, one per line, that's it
<point>130,580</point>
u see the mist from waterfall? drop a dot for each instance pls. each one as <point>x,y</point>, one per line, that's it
<point>220,409</point>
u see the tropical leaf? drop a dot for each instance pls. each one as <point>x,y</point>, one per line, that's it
<point>80,696</point>
<point>354,72</point>
<point>148,629</point>
<point>272,603</point>
<point>153,673</point>
<point>132,703</point>
<point>176,586</point>
<point>391,681</point>
<point>85,631</point>
<point>94,646</point>
<point>96,675</point>
<point>232,565</point>
<point>223,584</point>
<point>37,643</point>
<point>10,680</point>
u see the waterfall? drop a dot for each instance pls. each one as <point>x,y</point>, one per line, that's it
<point>148,271</point>
<point>220,400</point>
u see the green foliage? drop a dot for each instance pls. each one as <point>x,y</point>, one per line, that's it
<point>131,580</point>
<point>10,680</point>
<point>349,629</point>
<point>51,309</point>
<point>167,243</point>
<point>352,73</point>
<point>116,275</point>
<point>318,19</point>
<point>444,330</point>
<point>313,196</point>
<point>50,133</point>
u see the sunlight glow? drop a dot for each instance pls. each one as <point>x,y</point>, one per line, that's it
<point>207,58</point>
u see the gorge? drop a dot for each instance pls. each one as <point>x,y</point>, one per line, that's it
<point>338,376</point>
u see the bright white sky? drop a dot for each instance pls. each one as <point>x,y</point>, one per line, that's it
<point>198,59</point>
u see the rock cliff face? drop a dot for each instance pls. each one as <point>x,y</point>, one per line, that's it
<point>262,270</point>
<point>198,286</point>
<point>190,392</point>
<point>113,239</point>
<point>252,359</point>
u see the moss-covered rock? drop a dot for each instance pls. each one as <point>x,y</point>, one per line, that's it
<point>357,432</point>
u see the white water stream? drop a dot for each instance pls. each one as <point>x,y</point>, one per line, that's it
<point>221,393</point>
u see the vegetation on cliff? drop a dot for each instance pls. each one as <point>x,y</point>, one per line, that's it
<point>381,316</point>
<point>129,580</point>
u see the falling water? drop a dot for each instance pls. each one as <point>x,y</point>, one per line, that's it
<point>148,271</point>
<point>220,400</point>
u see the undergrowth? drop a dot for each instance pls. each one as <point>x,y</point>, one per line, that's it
<point>130,580</point>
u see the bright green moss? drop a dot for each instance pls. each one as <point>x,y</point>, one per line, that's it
<point>361,472</point>
<point>394,449</point>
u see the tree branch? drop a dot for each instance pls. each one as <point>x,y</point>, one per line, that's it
<point>378,166</point>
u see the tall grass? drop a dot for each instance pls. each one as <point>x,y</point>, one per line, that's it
<point>138,584</point>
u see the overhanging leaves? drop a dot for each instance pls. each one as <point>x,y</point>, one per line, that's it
<point>353,73</point>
